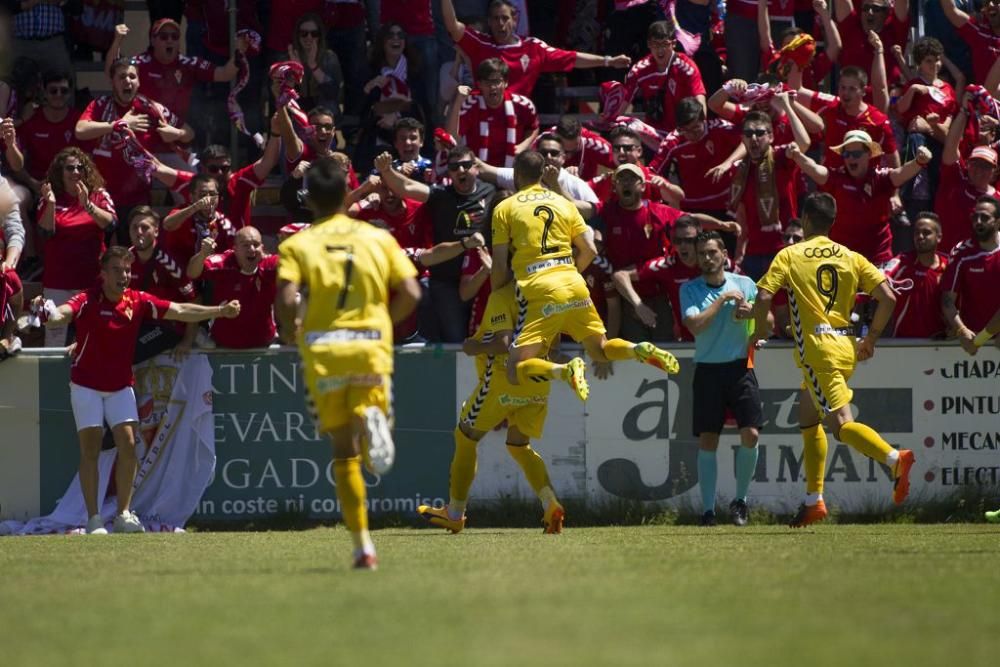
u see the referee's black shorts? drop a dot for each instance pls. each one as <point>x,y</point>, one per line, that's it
<point>718,387</point>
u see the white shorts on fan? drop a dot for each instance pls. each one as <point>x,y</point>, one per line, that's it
<point>92,407</point>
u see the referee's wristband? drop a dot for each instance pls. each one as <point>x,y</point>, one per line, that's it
<point>982,338</point>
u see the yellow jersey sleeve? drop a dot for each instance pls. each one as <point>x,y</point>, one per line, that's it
<point>869,277</point>
<point>288,264</point>
<point>777,274</point>
<point>501,224</point>
<point>399,265</point>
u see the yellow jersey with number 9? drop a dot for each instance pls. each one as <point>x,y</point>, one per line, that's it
<point>822,279</point>
<point>348,268</point>
<point>539,226</point>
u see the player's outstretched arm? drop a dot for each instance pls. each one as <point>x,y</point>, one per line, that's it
<point>763,322</point>
<point>405,297</point>
<point>885,300</point>
<point>193,312</point>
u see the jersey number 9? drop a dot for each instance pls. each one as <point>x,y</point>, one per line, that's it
<point>827,282</point>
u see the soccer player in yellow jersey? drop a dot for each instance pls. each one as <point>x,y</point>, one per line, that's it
<point>822,279</point>
<point>492,401</point>
<point>539,230</point>
<point>345,270</point>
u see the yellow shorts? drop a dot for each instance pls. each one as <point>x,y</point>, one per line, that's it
<point>333,400</point>
<point>494,400</point>
<point>828,388</point>
<point>544,314</point>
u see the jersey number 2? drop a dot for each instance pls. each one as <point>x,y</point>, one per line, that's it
<point>827,282</point>
<point>348,271</point>
<point>547,216</point>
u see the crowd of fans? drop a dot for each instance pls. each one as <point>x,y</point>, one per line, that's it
<point>711,114</point>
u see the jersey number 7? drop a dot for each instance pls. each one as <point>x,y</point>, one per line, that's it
<point>348,251</point>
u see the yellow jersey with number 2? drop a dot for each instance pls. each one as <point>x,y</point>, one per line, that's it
<point>348,268</point>
<point>822,279</point>
<point>539,226</point>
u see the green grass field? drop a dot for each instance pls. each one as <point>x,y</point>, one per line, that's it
<point>840,595</point>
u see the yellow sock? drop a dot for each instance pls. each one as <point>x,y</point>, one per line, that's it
<point>535,370</point>
<point>618,349</point>
<point>866,440</point>
<point>463,467</point>
<point>532,464</point>
<point>351,492</point>
<point>814,457</point>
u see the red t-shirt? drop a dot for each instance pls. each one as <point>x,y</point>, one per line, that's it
<point>594,152</point>
<point>604,188</point>
<point>768,241</point>
<point>172,85</point>
<point>858,52</point>
<point>526,57</point>
<point>863,212</point>
<point>406,226</point>
<point>470,267</point>
<point>973,274</point>
<point>106,336</point>
<point>633,237</point>
<point>940,100</point>
<point>667,274</point>
<point>73,252</point>
<point>918,290</point>
<point>984,45</point>
<point>124,183</point>
<point>40,141</point>
<point>161,276</point>
<point>692,160</point>
<point>184,242</point>
<point>490,133</point>
<point>254,326</point>
<point>602,288</point>
<point>281,25</point>
<point>838,123</point>
<point>954,202</point>
<point>239,190</point>
<point>679,79</point>
<point>413,15</point>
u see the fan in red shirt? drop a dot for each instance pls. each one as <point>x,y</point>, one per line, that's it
<point>50,128</point>
<point>626,148</point>
<point>107,319</point>
<point>692,151</point>
<point>321,142</point>
<point>862,192</point>
<point>961,182</point>
<point>969,287</point>
<point>492,121</point>
<point>765,186</point>
<point>185,229</point>
<point>248,275</point>
<point>794,61</point>
<point>168,76</point>
<point>586,150</point>
<point>474,285</point>
<point>152,124</point>
<point>74,211</point>
<point>927,95</point>
<point>385,209</point>
<point>891,23</point>
<point>663,78</point>
<point>527,58</point>
<point>727,103</point>
<point>916,279</point>
<point>981,33</point>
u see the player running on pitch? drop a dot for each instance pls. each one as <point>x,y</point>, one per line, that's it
<point>494,400</point>
<point>540,229</point>
<point>346,269</point>
<point>822,279</point>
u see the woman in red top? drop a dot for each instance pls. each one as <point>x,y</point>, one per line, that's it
<point>73,212</point>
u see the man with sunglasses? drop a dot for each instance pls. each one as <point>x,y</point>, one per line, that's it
<point>981,33</point>
<point>626,148</point>
<point>970,296</point>
<point>168,76</point>
<point>891,22</point>
<point>551,148</point>
<point>962,180</point>
<point>454,212</point>
<point>50,128</point>
<point>586,150</point>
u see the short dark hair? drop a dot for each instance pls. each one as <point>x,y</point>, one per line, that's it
<point>927,46</point>
<point>929,215</point>
<point>504,3</point>
<point>793,222</point>
<point>143,211</point>
<point>321,111</point>
<point>549,136</point>
<point>117,252</point>
<point>758,117</point>
<point>687,221</point>
<point>705,237</point>
<point>568,127</point>
<point>198,179</point>
<point>688,110</point>
<point>53,75</point>
<point>992,201</point>
<point>855,73</point>
<point>820,209</point>
<point>407,123</point>
<point>623,131</point>
<point>118,63</point>
<point>213,152</point>
<point>529,165</point>
<point>459,152</point>
<point>492,66</point>
<point>661,30</point>
<point>790,31</point>
<point>327,186</point>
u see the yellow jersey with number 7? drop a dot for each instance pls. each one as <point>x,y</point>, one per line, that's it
<point>539,226</point>
<point>822,279</point>
<point>347,269</point>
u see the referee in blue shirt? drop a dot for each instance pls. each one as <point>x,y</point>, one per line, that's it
<point>716,308</point>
